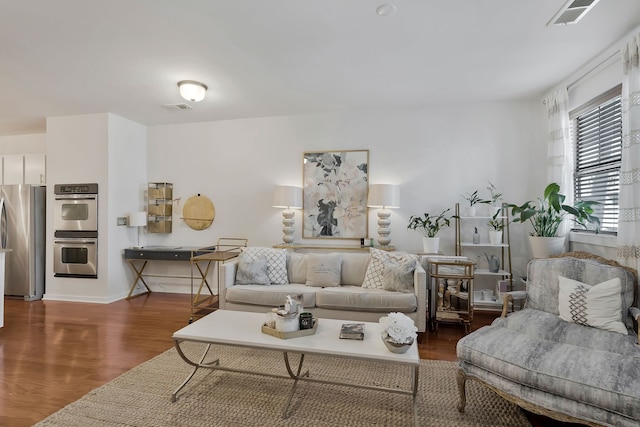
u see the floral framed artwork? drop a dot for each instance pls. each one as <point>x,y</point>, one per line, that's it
<point>335,189</point>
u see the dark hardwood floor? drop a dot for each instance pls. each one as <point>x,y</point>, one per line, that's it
<point>53,352</point>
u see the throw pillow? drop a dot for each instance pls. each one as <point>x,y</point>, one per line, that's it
<point>252,270</point>
<point>399,277</point>
<point>323,270</point>
<point>297,267</point>
<point>597,306</point>
<point>374,277</point>
<point>276,262</point>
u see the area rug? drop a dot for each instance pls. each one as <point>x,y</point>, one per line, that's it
<point>142,396</point>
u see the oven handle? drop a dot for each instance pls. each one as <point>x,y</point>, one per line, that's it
<point>76,198</point>
<point>75,242</point>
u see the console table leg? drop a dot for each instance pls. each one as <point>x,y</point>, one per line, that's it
<point>138,277</point>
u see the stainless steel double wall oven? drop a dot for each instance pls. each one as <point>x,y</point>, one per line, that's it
<point>75,221</point>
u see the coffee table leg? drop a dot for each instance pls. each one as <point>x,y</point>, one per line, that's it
<point>296,376</point>
<point>196,365</point>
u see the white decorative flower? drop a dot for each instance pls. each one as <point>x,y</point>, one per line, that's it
<point>399,327</point>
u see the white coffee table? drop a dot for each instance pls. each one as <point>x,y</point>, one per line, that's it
<point>243,329</point>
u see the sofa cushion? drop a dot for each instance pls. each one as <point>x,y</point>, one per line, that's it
<point>357,298</point>
<point>601,378</point>
<point>374,277</point>
<point>323,269</point>
<point>597,306</point>
<point>354,267</point>
<point>270,296</point>
<point>252,270</point>
<point>276,262</point>
<point>296,267</point>
<point>399,277</point>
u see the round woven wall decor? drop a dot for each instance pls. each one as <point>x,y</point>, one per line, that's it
<point>198,212</point>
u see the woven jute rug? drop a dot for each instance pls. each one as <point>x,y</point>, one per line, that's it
<point>142,396</point>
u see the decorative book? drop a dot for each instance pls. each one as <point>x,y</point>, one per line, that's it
<point>352,331</point>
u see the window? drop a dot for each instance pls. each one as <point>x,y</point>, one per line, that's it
<point>597,134</point>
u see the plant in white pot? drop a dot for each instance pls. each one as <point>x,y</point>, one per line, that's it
<point>546,216</point>
<point>496,224</point>
<point>398,332</point>
<point>429,225</point>
<point>495,198</point>
<point>473,199</point>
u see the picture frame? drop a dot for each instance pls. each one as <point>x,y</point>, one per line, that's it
<point>335,191</point>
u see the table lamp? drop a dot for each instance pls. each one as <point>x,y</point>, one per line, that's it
<point>289,198</point>
<point>139,220</point>
<point>384,197</point>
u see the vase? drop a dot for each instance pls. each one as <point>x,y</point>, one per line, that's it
<point>495,237</point>
<point>395,347</point>
<point>471,210</point>
<point>431,245</point>
<point>544,247</point>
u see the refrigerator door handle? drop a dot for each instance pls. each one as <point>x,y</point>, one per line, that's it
<point>3,224</point>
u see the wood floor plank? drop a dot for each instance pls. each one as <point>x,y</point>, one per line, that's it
<point>54,352</point>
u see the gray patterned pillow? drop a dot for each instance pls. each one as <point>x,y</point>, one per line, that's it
<point>252,270</point>
<point>276,262</point>
<point>399,277</point>
<point>374,277</point>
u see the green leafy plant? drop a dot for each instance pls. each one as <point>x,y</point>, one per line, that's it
<point>495,196</point>
<point>473,198</point>
<point>496,222</point>
<point>547,214</point>
<point>429,225</point>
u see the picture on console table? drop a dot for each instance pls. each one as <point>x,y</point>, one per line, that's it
<point>335,190</point>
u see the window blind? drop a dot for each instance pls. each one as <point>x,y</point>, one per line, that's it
<point>598,156</point>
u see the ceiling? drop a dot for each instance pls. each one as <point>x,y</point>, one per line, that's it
<point>284,57</point>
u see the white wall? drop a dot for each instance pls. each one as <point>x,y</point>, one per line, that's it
<point>23,144</point>
<point>433,154</point>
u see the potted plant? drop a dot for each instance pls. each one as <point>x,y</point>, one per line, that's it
<point>495,196</point>
<point>473,200</point>
<point>547,214</point>
<point>496,228</point>
<point>429,225</point>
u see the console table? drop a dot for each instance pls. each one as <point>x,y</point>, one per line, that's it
<point>138,258</point>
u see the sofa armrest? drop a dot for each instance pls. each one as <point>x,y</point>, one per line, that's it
<point>509,297</point>
<point>420,290</point>
<point>635,313</point>
<point>228,278</point>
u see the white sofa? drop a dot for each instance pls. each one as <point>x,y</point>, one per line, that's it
<point>348,301</point>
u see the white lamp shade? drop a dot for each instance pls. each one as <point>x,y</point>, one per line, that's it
<point>192,90</point>
<point>137,219</point>
<point>384,196</point>
<point>287,197</point>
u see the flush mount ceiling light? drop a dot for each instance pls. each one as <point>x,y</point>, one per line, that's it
<point>386,9</point>
<point>192,90</point>
<point>572,12</point>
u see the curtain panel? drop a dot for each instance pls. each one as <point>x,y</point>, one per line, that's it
<point>629,218</point>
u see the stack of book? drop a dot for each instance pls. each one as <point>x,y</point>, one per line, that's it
<point>352,331</point>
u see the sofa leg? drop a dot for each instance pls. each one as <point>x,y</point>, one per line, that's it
<point>462,379</point>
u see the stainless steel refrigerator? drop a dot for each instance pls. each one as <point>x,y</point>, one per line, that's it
<point>22,229</point>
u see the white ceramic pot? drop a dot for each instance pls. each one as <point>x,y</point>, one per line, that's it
<point>394,347</point>
<point>431,245</point>
<point>543,247</point>
<point>471,210</point>
<point>495,237</point>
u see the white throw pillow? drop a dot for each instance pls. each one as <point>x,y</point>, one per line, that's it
<point>252,270</point>
<point>276,262</point>
<point>374,277</point>
<point>323,270</point>
<point>597,306</point>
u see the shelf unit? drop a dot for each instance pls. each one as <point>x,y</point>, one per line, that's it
<point>159,207</point>
<point>503,248</point>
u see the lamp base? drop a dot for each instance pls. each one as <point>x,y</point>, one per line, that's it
<point>287,226</point>
<point>383,227</point>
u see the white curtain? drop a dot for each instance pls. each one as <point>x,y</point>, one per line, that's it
<point>559,147</point>
<point>629,219</point>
